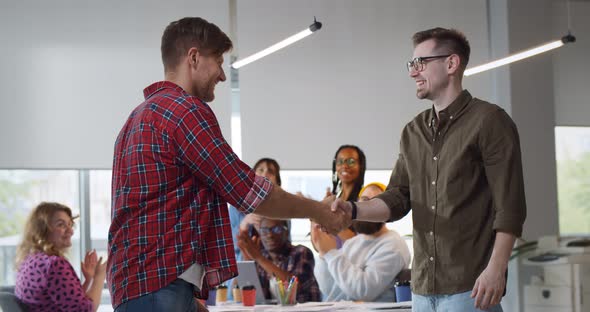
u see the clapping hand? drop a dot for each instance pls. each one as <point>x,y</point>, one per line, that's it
<point>89,264</point>
<point>100,270</point>
<point>322,242</point>
<point>250,247</point>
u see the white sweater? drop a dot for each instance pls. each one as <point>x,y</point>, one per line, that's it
<point>363,269</point>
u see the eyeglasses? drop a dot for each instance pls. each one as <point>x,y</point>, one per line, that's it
<point>419,63</point>
<point>277,229</point>
<point>65,226</point>
<point>351,162</point>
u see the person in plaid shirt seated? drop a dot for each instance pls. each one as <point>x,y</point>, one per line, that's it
<point>173,175</point>
<point>281,259</point>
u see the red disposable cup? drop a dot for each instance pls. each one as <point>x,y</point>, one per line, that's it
<point>249,297</point>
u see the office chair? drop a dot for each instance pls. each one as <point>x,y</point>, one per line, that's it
<point>10,303</point>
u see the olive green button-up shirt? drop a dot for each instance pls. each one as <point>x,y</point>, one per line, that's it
<point>461,174</point>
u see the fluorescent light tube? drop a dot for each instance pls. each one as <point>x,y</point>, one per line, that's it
<point>521,55</point>
<point>277,46</point>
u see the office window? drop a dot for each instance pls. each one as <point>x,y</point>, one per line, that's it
<point>573,179</point>
<point>20,192</point>
<point>100,210</point>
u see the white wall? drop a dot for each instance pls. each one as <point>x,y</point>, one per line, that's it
<point>347,83</point>
<point>571,66</point>
<point>533,98</point>
<point>72,71</point>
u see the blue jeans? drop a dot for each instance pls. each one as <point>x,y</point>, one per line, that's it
<point>461,302</point>
<point>178,296</point>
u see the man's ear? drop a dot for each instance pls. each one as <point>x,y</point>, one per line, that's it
<point>454,63</point>
<point>193,56</point>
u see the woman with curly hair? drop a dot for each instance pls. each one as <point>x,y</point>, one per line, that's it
<point>45,280</point>
<point>348,176</point>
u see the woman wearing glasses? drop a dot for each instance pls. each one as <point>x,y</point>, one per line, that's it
<point>348,177</point>
<point>45,280</point>
<point>279,258</point>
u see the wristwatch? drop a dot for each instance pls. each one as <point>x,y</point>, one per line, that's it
<point>354,208</point>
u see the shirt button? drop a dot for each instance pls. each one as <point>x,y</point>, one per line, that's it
<point>435,158</point>
<point>431,233</point>
<point>433,182</point>
<point>451,117</point>
<point>432,207</point>
<point>431,258</point>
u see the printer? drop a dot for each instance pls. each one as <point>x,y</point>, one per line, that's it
<point>565,283</point>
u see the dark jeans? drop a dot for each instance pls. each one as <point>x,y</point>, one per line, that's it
<point>178,296</point>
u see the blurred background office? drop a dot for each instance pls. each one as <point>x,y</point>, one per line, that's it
<point>64,61</point>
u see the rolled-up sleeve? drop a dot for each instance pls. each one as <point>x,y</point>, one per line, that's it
<point>397,194</point>
<point>204,150</point>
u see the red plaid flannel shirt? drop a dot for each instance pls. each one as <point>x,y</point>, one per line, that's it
<point>173,175</point>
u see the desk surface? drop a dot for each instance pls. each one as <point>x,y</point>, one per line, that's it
<point>319,306</point>
<point>307,307</point>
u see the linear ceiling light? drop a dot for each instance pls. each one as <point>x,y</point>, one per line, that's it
<point>277,46</point>
<point>521,55</point>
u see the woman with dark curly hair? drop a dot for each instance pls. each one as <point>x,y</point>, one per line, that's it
<point>348,176</point>
<point>45,280</point>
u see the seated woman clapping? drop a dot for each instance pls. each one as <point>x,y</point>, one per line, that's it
<point>46,281</point>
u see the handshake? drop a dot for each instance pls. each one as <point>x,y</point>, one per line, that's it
<point>336,215</point>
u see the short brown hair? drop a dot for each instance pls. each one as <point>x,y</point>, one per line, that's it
<point>190,32</point>
<point>37,229</point>
<point>447,40</point>
<point>271,162</point>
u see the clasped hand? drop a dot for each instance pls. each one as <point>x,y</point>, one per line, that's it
<point>338,216</point>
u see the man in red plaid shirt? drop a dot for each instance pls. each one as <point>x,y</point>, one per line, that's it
<point>173,175</point>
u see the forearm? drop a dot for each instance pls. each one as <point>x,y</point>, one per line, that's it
<point>86,284</point>
<point>283,205</point>
<point>502,250</point>
<point>272,269</point>
<point>95,290</point>
<point>374,210</point>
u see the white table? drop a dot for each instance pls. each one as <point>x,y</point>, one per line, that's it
<point>341,306</point>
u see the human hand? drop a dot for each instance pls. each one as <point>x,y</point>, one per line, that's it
<point>333,220</point>
<point>89,264</point>
<point>100,272</point>
<point>328,192</point>
<point>321,241</point>
<point>489,287</point>
<point>328,200</point>
<point>251,218</point>
<point>250,247</point>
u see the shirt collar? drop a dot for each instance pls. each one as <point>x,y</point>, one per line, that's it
<point>453,110</point>
<point>156,87</point>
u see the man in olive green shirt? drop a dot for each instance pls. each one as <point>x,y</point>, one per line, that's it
<point>460,172</point>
